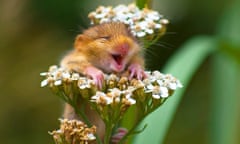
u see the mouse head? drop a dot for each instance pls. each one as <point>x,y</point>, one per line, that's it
<point>109,46</point>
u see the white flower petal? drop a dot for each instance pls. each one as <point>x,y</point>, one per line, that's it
<point>150,87</point>
<point>164,92</point>
<point>44,74</point>
<point>58,82</point>
<point>160,82</point>
<point>149,31</point>
<point>91,136</point>
<point>44,83</point>
<point>156,96</point>
<point>75,76</point>
<point>131,101</point>
<point>53,68</point>
<point>179,84</point>
<point>141,34</point>
<point>172,86</point>
<point>83,86</point>
<point>158,26</point>
<point>115,92</point>
<point>66,75</point>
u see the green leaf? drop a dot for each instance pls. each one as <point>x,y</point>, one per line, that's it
<point>229,25</point>
<point>183,65</point>
<point>225,101</point>
<point>231,50</point>
<point>224,126</point>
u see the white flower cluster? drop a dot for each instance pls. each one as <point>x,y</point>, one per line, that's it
<point>141,22</point>
<point>114,95</point>
<point>57,76</point>
<point>160,84</point>
<point>119,89</point>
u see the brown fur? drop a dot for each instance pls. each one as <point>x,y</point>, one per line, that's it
<point>94,48</point>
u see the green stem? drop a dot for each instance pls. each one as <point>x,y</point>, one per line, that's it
<point>83,116</point>
<point>143,3</point>
<point>108,133</point>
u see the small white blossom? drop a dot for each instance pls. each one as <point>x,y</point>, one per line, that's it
<point>157,75</point>
<point>115,92</point>
<point>75,76</point>
<point>44,74</point>
<point>66,75</point>
<point>53,68</point>
<point>44,83</point>
<point>160,82</point>
<point>149,31</point>
<point>130,99</point>
<point>140,34</point>
<point>84,83</point>
<point>149,88</point>
<point>164,92</point>
<point>164,21</point>
<point>157,91</point>
<point>156,96</point>
<point>128,95</point>
<point>158,26</point>
<point>47,81</point>
<point>101,98</point>
<point>58,82</point>
<point>91,136</point>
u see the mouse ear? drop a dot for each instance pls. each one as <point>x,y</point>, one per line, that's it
<point>80,41</point>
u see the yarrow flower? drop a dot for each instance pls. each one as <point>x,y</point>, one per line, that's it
<point>156,83</point>
<point>117,95</point>
<point>74,132</point>
<point>84,83</point>
<point>55,76</point>
<point>142,23</point>
<point>101,98</point>
<point>114,95</point>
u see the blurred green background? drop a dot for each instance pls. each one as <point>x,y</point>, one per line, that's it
<point>35,34</point>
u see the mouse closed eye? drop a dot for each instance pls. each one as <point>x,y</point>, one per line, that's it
<point>107,37</point>
<point>103,39</point>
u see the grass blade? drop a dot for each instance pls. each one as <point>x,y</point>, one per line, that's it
<point>224,125</point>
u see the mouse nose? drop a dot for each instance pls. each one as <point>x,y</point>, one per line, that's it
<point>123,48</point>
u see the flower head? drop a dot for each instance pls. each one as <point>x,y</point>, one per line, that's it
<point>141,22</point>
<point>73,131</point>
<point>159,85</point>
<point>118,94</point>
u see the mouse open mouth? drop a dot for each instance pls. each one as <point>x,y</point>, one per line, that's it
<point>118,58</point>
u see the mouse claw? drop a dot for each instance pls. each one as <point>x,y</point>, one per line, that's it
<point>121,132</point>
<point>97,76</point>
<point>136,71</point>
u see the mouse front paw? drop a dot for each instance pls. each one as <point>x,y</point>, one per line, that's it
<point>121,132</point>
<point>96,74</point>
<point>136,71</point>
